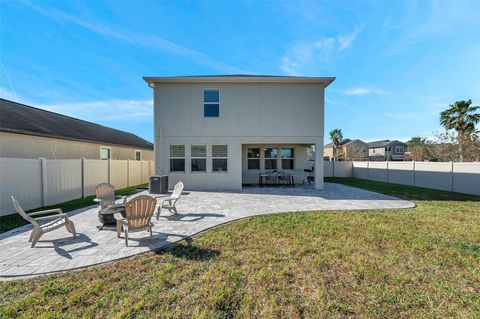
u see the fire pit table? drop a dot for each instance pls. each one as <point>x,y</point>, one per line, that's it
<point>105,216</point>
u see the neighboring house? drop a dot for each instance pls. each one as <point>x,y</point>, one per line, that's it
<point>29,132</point>
<point>347,150</point>
<point>379,150</point>
<point>220,132</point>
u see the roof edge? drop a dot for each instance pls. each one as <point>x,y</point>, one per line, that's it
<point>240,78</point>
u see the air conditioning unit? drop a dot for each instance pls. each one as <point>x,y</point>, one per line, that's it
<point>158,184</point>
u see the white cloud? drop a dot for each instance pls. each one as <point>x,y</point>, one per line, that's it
<point>363,91</point>
<point>301,56</point>
<point>143,39</point>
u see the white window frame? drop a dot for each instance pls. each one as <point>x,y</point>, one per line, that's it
<point>198,157</point>
<point>139,151</point>
<point>177,157</point>
<point>255,158</point>
<point>399,147</point>
<point>288,158</point>
<point>109,152</point>
<point>270,158</point>
<point>203,104</point>
<point>219,157</point>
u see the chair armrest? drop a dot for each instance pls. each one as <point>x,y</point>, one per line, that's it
<point>48,211</point>
<point>97,200</point>
<point>51,216</point>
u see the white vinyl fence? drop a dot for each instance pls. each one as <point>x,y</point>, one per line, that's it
<point>448,176</point>
<point>41,182</point>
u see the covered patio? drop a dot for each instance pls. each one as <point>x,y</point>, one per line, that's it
<point>198,211</point>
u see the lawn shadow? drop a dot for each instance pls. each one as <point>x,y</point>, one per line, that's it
<point>189,251</point>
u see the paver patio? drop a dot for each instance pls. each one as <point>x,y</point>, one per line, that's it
<point>198,211</point>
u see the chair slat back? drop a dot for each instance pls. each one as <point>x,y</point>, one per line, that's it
<point>106,193</point>
<point>177,190</point>
<point>22,213</point>
<point>139,211</point>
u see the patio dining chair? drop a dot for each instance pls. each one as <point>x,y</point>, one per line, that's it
<point>138,216</point>
<point>170,202</point>
<point>52,221</point>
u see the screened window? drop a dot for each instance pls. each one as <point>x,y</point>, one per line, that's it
<point>270,158</point>
<point>138,155</point>
<point>219,158</point>
<point>253,158</point>
<point>287,158</point>
<point>211,103</point>
<point>198,157</point>
<point>177,158</point>
<point>105,153</point>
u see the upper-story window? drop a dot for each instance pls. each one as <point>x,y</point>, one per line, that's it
<point>211,103</point>
<point>399,149</point>
<point>138,155</point>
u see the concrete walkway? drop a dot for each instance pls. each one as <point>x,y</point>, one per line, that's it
<point>57,251</point>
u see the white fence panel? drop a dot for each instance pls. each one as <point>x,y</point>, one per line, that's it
<point>118,174</point>
<point>342,169</point>
<point>63,180</point>
<point>95,172</point>
<point>145,171</point>
<point>360,170</point>
<point>134,173</point>
<point>377,171</point>
<point>401,173</point>
<point>327,169</point>
<point>21,178</point>
<point>466,178</point>
<point>433,175</point>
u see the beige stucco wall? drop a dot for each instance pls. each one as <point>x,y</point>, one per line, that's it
<point>250,113</point>
<point>328,152</point>
<point>28,146</point>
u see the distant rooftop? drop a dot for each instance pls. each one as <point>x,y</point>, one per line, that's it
<point>239,78</point>
<point>382,143</point>
<point>23,119</point>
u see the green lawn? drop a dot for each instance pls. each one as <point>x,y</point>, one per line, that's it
<point>409,263</point>
<point>15,220</point>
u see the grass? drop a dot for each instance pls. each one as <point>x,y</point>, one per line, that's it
<point>15,220</point>
<point>410,263</point>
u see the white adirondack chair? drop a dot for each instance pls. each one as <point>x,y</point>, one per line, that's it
<point>170,201</point>
<point>57,220</point>
<point>138,215</point>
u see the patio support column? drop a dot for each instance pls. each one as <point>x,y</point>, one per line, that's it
<point>319,165</point>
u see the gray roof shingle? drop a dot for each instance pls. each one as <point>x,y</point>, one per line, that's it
<point>23,119</point>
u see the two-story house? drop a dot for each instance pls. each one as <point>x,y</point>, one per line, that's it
<point>380,150</point>
<point>220,132</point>
<point>347,150</point>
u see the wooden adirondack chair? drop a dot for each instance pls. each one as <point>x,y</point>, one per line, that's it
<point>170,201</point>
<point>138,215</point>
<point>57,220</point>
<point>106,198</point>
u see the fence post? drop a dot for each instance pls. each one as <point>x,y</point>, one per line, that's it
<point>333,168</point>
<point>128,172</point>
<point>451,176</point>
<point>82,177</point>
<point>109,171</point>
<point>43,173</point>
<point>414,181</point>
<point>368,168</point>
<point>387,172</point>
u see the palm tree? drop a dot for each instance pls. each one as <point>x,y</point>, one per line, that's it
<point>337,137</point>
<point>461,117</point>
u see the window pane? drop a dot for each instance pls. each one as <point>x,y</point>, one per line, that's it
<point>219,164</point>
<point>219,150</point>
<point>287,163</point>
<point>211,96</point>
<point>199,165</point>
<point>138,156</point>
<point>253,153</point>
<point>177,150</point>
<point>177,165</point>
<point>199,151</point>
<point>271,163</point>
<point>287,152</point>
<point>104,153</point>
<point>211,110</point>
<point>253,164</point>
<point>270,153</point>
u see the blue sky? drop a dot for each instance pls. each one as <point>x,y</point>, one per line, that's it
<point>398,64</point>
